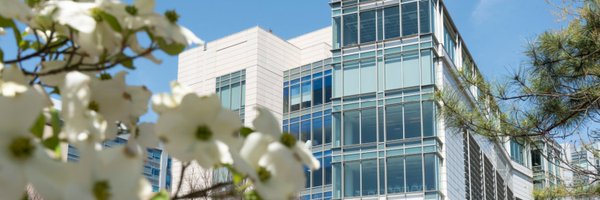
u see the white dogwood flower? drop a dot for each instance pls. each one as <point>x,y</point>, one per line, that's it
<point>118,102</point>
<point>279,175</point>
<point>145,135</point>
<point>163,102</point>
<point>81,123</point>
<point>77,15</point>
<point>21,106</point>
<point>15,9</point>
<point>114,173</point>
<point>2,32</point>
<point>199,129</point>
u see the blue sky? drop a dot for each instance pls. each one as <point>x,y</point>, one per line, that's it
<point>495,31</point>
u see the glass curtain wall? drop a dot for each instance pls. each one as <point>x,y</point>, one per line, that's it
<point>231,89</point>
<point>352,26</point>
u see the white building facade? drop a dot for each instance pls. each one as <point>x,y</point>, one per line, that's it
<point>362,92</point>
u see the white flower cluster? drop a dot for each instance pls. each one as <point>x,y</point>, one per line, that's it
<point>95,106</point>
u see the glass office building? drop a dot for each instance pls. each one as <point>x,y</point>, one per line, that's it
<point>362,91</point>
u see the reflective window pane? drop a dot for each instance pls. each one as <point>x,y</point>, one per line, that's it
<point>430,165</point>
<point>305,131</point>
<point>236,100</point>
<point>318,91</point>
<point>317,131</point>
<point>424,16</point>
<point>412,120</point>
<point>368,127</point>
<point>367,26</point>
<point>295,130</point>
<point>337,129</point>
<point>411,70</point>
<point>393,70</point>
<point>381,176</point>
<point>327,127</point>
<point>350,29</point>
<point>428,119</point>
<point>351,179</point>
<point>409,19</point>
<point>286,99</point>
<point>317,177</point>
<point>306,177</point>
<point>379,24</point>
<point>351,77</point>
<point>392,22</point>
<point>414,173</point>
<point>395,175</point>
<point>295,99</point>
<point>393,118</point>
<point>225,96</point>
<point>337,180</point>
<point>327,166</point>
<point>306,94</point>
<point>426,67</point>
<point>337,32</point>
<point>368,74</point>
<point>381,124</point>
<point>339,81</point>
<point>328,86</point>
<point>351,127</point>
<point>369,177</point>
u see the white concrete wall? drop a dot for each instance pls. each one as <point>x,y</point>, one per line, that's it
<point>263,55</point>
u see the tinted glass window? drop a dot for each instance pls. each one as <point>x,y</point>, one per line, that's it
<point>393,120</point>
<point>368,75</point>
<point>351,77</point>
<point>367,26</point>
<point>351,127</point>
<point>369,177</point>
<point>350,29</point>
<point>393,70</point>
<point>412,120</point>
<point>430,172</point>
<point>318,91</point>
<point>295,97</point>
<point>424,16</point>
<point>409,19</point>
<point>414,173</point>
<point>328,86</point>
<point>352,179</point>
<point>428,119</point>
<point>411,70</point>
<point>368,125</point>
<point>337,32</point>
<point>306,94</point>
<point>395,175</point>
<point>392,22</point>
<point>317,131</point>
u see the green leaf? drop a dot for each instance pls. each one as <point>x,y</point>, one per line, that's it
<point>172,49</point>
<point>111,20</point>
<point>38,127</point>
<point>162,195</point>
<point>52,142</point>
<point>237,178</point>
<point>24,44</point>
<point>252,195</point>
<point>1,55</point>
<point>6,23</point>
<point>55,122</point>
<point>128,63</point>
<point>245,131</point>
